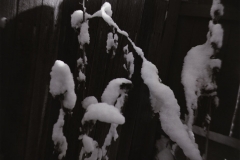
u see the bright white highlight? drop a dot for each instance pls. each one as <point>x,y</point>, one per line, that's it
<point>62,83</point>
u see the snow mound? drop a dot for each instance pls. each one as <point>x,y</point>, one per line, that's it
<point>104,113</point>
<point>164,102</point>
<point>83,37</point>
<point>113,90</point>
<point>62,83</point>
<point>88,101</point>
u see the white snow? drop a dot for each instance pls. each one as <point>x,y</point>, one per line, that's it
<point>81,77</point>
<point>164,102</point>
<point>112,134</point>
<point>112,42</point>
<point>125,49</point>
<point>62,83</point>
<point>106,15</point>
<point>104,113</point>
<point>216,34</point>
<point>197,75</point>
<point>84,37</point>
<point>80,62</point>
<point>77,18</point>
<point>137,49</point>
<point>94,155</point>
<point>113,90</point>
<point>130,63</point>
<point>216,7</point>
<point>88,143</point>
<point>88,101</point>
<point>57,136</point>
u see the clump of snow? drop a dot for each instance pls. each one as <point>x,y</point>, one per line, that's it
<point>217,9</point>
<point>96,154</point>
<point>80,62</point>
<point>197,75</point>
<point>84,37</point>
<point>106,15</point>
<point>58,138</point>
<point>164,149</point>
<point>3,22</point>
<point>216,36</point>
<point>125,49</point>
<point>88,101</point>
<point>164,102</point>
<point>62,83</point>
<point>77,18</point>
<point>112,42</point>
<point>86,61</point>
<point>81,77</point>
<point>88,143</point>
<point>129,60</point>
<point>111,134</point>
<point>104,113</point>
<point>113,90</point>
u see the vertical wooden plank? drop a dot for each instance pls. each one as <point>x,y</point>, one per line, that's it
<point>44,58</point>
<point>8,9</point>
<point>162,53</point>
<point>143,132</point>
<point>8,136</point>
<point>228,80</point>
<point>28,26</point>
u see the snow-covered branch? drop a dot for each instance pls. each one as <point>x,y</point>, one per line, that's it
<point>58,137</point>
<point>129,66</point>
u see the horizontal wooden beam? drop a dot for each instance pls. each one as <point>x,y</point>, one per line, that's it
<point>199,10</point>
<point>216,137</point>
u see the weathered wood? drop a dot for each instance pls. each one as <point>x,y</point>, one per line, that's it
<point>162,53</point>
<point>46,54</point>
<point>196,10</point>
<point>8,136</point>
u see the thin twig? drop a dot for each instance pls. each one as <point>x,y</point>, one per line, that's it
<point>208,127</point>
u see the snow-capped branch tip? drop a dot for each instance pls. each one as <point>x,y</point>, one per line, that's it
<point>216,35</point>
<point>58,138</point>
<point>129,66</point>
<point>217,10</point>
<point>104,113</point>
<point>88,101</point>
<point>112,43</point>
<point>62,83</point>
<point>164,102</point>
<point>83,37</point>
<point>114,89</point>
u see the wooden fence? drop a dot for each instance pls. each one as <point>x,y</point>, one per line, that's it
<point>38,32</point>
